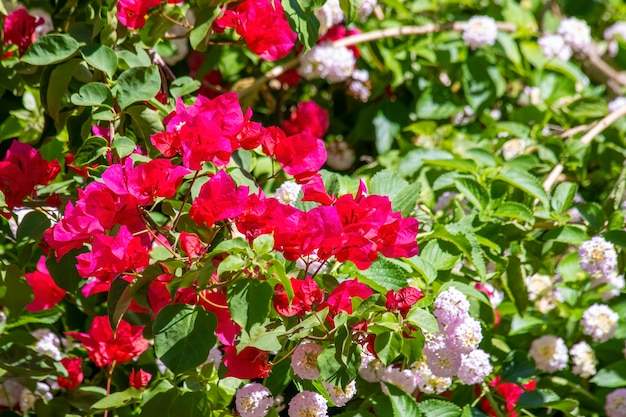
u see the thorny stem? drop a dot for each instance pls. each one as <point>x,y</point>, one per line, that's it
<point>585,140</point>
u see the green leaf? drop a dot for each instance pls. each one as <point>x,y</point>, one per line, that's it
<point>514,285</point>
<point>439,408</point>
<point>387,183</point>
<point>612,376</point>
<point>350,9</point>
<point>563,196</point>
<point>33,226</point>
<point>302,20</point>
<point>526,182</point>
<point>384,275</point>
<point>54,91</point>
<point>515,211</point>
<point>249,301</point>
<point>567,234</point>
<point>137,84</point>
<point>440,254</point>
<point>263,244</point>
<point>64,272</point>
<point>117,399</point>
<point>537,398</point>
<point>50,49</point>
<point>145,121</point>
<point>182,86</point>
<point>385,131</point>
<point>473,191</point>
<point>617,237</point>
<point>191,404</point>
<point>100,57</point>
<point>201,33</point>
<point>123,146</point>
<point>93,94</point>
<point>406,199</point>
<point>403,404</point>
<point>481,85</point>
<point>388,346</point>
<point>593,214</point>
<point>92,149</point>
<point>183,336</point>
<point>118,301</point>
<point>436,103</point>
<point>261,338</point>
<point>422,319</point>
<point>17,292</point>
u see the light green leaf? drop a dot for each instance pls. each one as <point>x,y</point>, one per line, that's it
<point>100,57</point>
<point>93,94</point>
<point>137,84</point>
<point>423,319</point>
<point>515,211</point>
<point>473,191</point>
<point>383,275</point>
<point>50,49</point>
<point>524,181</point>
<point>564,196</point>
<point>117,399</point>
<point>249,301</point>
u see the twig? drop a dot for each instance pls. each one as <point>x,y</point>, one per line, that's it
<point>586,140</point>
<point>271,74</point>
<point>610,72</point>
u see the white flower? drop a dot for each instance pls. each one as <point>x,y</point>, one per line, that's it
<point>48,343</point>
<point>475,367</point>
<point>329,15</point>
<point>465,335</point>
<point>616,403</point>
<point>611,35</point>
<point>584,360</point>
<point>372,369</point>
<point>549,353</point>
<point>597,256</point>
<point>28,398</point>
<point>10,393</point>
<point>427,382</point>
<point>215,356</point>
<point>366,8</point>
<point>304,360</point>
<point>444,363</point>
<point>599,322</point>
<point>554,46</point>
<point>253,400</point>
<point>340,397</point>
<point>617,103</point>
<point>403,379</point>
<point>576,34</point>
<point>480,31</point>
<point>514,148</point>
<point>451,306</point>
<point>542,291</point>
<point>308,404</point>
<point>358,85</point>
<point>288,192</point>
<point>334,64</point>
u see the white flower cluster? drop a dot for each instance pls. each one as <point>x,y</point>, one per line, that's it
<point>308,404</point>
<point>611,35</point>
<point>616,403</point>
<point>48,343</point>
<point>597,257</point>
<point>339,396</point>
<point>599,322</point>
<point>617,103</point>
<point>542,291</point>
<point>480,31</point>
<point>253,400</point>
<point>427,382</point>
<point>554,46</point>
<point>329,15</point>
<point>576,34</point>
<point>304,360</point>
<point>358,86</point>
<point>372,369</point>
<point>584,360</point>
<point>404,379</point>
<point>549,353</point>
<point>334,64</point>
<point>288,192</point>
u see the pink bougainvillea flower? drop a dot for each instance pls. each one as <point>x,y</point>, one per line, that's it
<point>219,199</point>
<point>74,230</point>
<point>140,379</point>
<point>216,303</point>
<point>308,116</point>
<point>307,294</point>
<point>191,245</point>
<point>103,346</point>
<point>19,29</point>
<point>21,170</point>
<point>132,13</point>
<point>263,26</point>
<point>301,155</point>
<point>315,191</point>
<point>46,292</point>
<point>341,298</point>
<point>250,363</point>
<point>74,368</point>
<point>403,299</point>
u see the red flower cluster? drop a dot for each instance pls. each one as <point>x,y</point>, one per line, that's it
<point>403,299</point>
<point>22,169</point>
<point>104,346</point>
<point>307,294</point>
<point>132,13</point>
<point>263,26</point>
<point>140,379</point>
<point>19,29</point>
<point>510,392</point>
<point>74,368</point>
<point>46,292</point>
<point>308,116</point>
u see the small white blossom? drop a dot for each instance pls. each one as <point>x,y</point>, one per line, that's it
<point>597,256</point>
<point>308,404</point>
<point>475,367</point>
<point>617,103</point>
<point>10,393</point>
<point>599,322</point>
<point>329,15</point>
<point>304,360</point>
<point>340,397</point>
<point>616,403</point>
<point>372,369</point>
<point>576,34</point>
<point>466,335</point>
<point>253,400</point>
<point>288,192</point>
<point>612,33</point>
<point>48,343</point>
<point>584,360</point>
<point>480,31</point>
<point>451,306</point>
<point>334,64</point>
<point>444,363</point>
<point>554,46</point>
<point>403,379</point>
<point>541,289</point>
<point>28,398</point>
<point>427,382</point>
<point>366,8</point>
<point>358,85</point>
<point>514,148</point>
<point>215,356</point>
<point>549,353</point>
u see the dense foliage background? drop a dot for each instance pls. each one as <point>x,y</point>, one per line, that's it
<point>211,208</point>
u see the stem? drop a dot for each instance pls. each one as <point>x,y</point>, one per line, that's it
<point>176,22</point>
<point>184,200</point>
<point>109,375</point>
<point>288,354</point>
<point>586,140</point>
<point>271,74</point>
<point>601,65</point>
<point>206,300</point>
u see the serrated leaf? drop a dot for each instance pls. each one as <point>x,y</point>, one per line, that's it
<point>50,49</point>
<point>387,183</point>
<point>406,199</point>
<point>525,182</point>
<point>403,404</point>
<point>137,84</point>
<point>473,191</point>
<point>439,408</point>
<point>100,57</point>
<point>515,211</point>
<point>383,275</point>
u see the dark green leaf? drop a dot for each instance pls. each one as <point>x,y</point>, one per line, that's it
<point>93,94</point>
<point>33,226</point>
<point>18,293</point>
<point>118,301</point>
<point>50,49</point>
<point>567,234</point>
<point>526,182</point>
<point>54,91</point>
<point>101,57</point>
<point>92,149</point>
<point>183,336</point>
<point>612,376</point>
<point>593,214</point>
<point>473,191</point>
<point>388,346</point>
<point>64,272</point>
<point>514,285</point>
<point>145,121</point>
<point>249,301</point>
<point>137,84</point>
<point>403,404</point>
<point>439,408</point>
<point>191,404</point>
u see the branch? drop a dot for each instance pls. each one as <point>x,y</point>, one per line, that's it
<point>601,65</point>
<point>586,140</point>
<point>271,74</point>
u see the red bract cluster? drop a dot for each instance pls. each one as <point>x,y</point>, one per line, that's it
<point>19,29</point>
<point>263,26</point>
<point>132,13</point>
<point>219,199</point>
<point>74,368</point>
<point>47,293</point>
<point>308,116</point>
<point>510,393</point>
<point>22,169</point>
<point>307,294</point>
<point>104,346</point>
<point>139,379</point>
<point>403,299</point>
